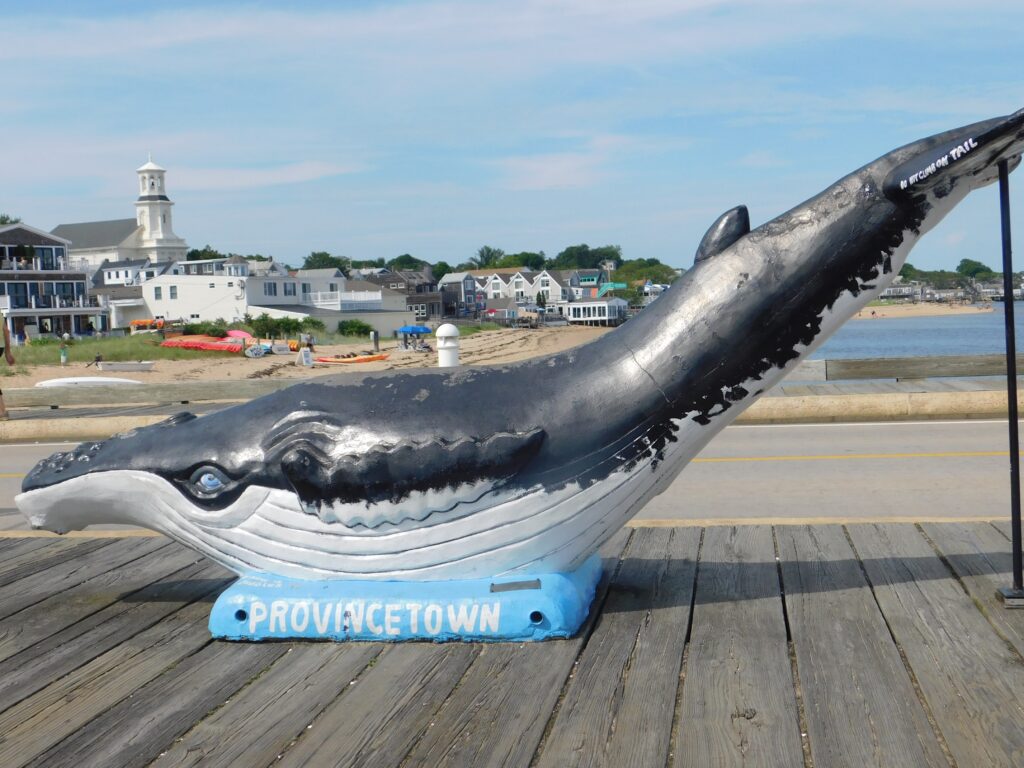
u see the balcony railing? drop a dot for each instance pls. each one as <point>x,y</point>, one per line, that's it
<point>56,302</point>
<point>343,300</point>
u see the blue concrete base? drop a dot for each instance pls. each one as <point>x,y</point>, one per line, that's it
<point>527,607</point>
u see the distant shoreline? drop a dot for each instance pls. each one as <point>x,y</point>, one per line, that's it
<point>924,309</point>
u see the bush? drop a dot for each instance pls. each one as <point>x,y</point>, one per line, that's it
<point>216,328</point>
<point>354,328</point>
<point>311,324</point>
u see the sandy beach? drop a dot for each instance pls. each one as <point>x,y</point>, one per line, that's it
<point>486,348</point>
<point>924,309</point>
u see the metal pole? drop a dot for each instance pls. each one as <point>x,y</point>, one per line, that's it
<point>1013,597</point>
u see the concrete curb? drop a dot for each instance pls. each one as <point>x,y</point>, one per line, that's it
<point>811,409</point>
<point>889,406</point>
<point>81,428</point>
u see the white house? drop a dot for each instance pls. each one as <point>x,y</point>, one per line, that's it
<point>148,235</point>
<point>597,311</point>
<point>211,291</point>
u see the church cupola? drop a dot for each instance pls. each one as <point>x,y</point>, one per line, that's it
<point>153,213</point>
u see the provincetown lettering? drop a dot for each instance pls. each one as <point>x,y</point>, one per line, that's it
<point>372,618</point>
<point>952,155</point>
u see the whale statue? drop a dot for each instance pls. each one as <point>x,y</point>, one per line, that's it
<point>500,473</point>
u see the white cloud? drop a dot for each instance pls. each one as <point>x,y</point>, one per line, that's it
<point>760,158</point>
<point>566,170</point>
<point>205,179</point>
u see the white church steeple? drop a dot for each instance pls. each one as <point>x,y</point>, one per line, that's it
<point>153,212</point>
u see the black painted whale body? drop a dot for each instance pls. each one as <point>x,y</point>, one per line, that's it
<point>478,472</point>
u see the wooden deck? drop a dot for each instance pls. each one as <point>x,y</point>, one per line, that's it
<point>824,645</point>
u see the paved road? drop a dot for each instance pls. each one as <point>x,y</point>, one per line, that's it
<point>933,470</point>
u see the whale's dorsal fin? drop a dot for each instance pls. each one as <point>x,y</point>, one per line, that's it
<point>727,229</point>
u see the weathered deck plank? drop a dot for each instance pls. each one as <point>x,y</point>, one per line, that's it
<point>60,653</point>
<point>503,702</point>
<point>406,686</point>
<point>980,556</point>
<point>739,703</point>
<point>72,571</point>
<point>54,613</point>
<point>15,552</point>
<point>858,698</point>
<point>969,676</point>
<point>112,664</point>
<point>135,730</point>
<point>263,719</point>
<point>617,709</point>
<point>29,559</point>
<point>62,708</point>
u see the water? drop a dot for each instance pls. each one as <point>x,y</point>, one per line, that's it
<point>980,333</point>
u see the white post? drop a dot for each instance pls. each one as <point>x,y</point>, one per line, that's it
<point>447,346</point>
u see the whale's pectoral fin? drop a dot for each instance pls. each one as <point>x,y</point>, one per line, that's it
<point>730,227</point>
<point>390,473</point>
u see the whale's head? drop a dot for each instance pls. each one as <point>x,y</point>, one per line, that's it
<point>129,478</point>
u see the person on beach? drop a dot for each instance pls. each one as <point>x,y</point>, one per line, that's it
<point>9,357</point>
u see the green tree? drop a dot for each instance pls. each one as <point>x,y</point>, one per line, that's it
<point>975,269</point>
<point>368,263</point>
<point>206,252</point>
<point>5,219</point>
<point>642,270</point>
<point>487,257</point>
<point>910,272</point>
<point>405,262</point>
<point>288,326</point>
<point>441,269</point>
<point>311,324</point>
<point>534,261</point>
<point>582,256</point>
<point>354,328</point>
<point>324,260</point>
<point>264,326</point>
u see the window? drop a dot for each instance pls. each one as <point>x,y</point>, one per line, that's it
<point>158,293</point>
<point>289,289</point>
<point>173,292</point>
<point>332,287</point>
<point>213,285</point>
<point>270,289</point>
<point>193,317</point>
<point>231,283</point>
<point>306,288</point>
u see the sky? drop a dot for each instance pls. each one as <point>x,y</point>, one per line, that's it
<point>433,127</point>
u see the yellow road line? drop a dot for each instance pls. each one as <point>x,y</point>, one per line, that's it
<point>838,520</point>
<point>128,533</point>
<point>840,456</point>
<point>821,457</point>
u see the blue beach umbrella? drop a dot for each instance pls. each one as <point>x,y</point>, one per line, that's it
<point>414,329</point>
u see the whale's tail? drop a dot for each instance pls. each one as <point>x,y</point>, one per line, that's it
<point>968,155</point>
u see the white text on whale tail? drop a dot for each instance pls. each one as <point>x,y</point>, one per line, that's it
<point>380,619</point>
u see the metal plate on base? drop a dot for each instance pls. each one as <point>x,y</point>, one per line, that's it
<point>1012,598</point>
<point>524,607</point>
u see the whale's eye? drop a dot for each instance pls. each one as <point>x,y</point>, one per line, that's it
<point>208,480</point>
